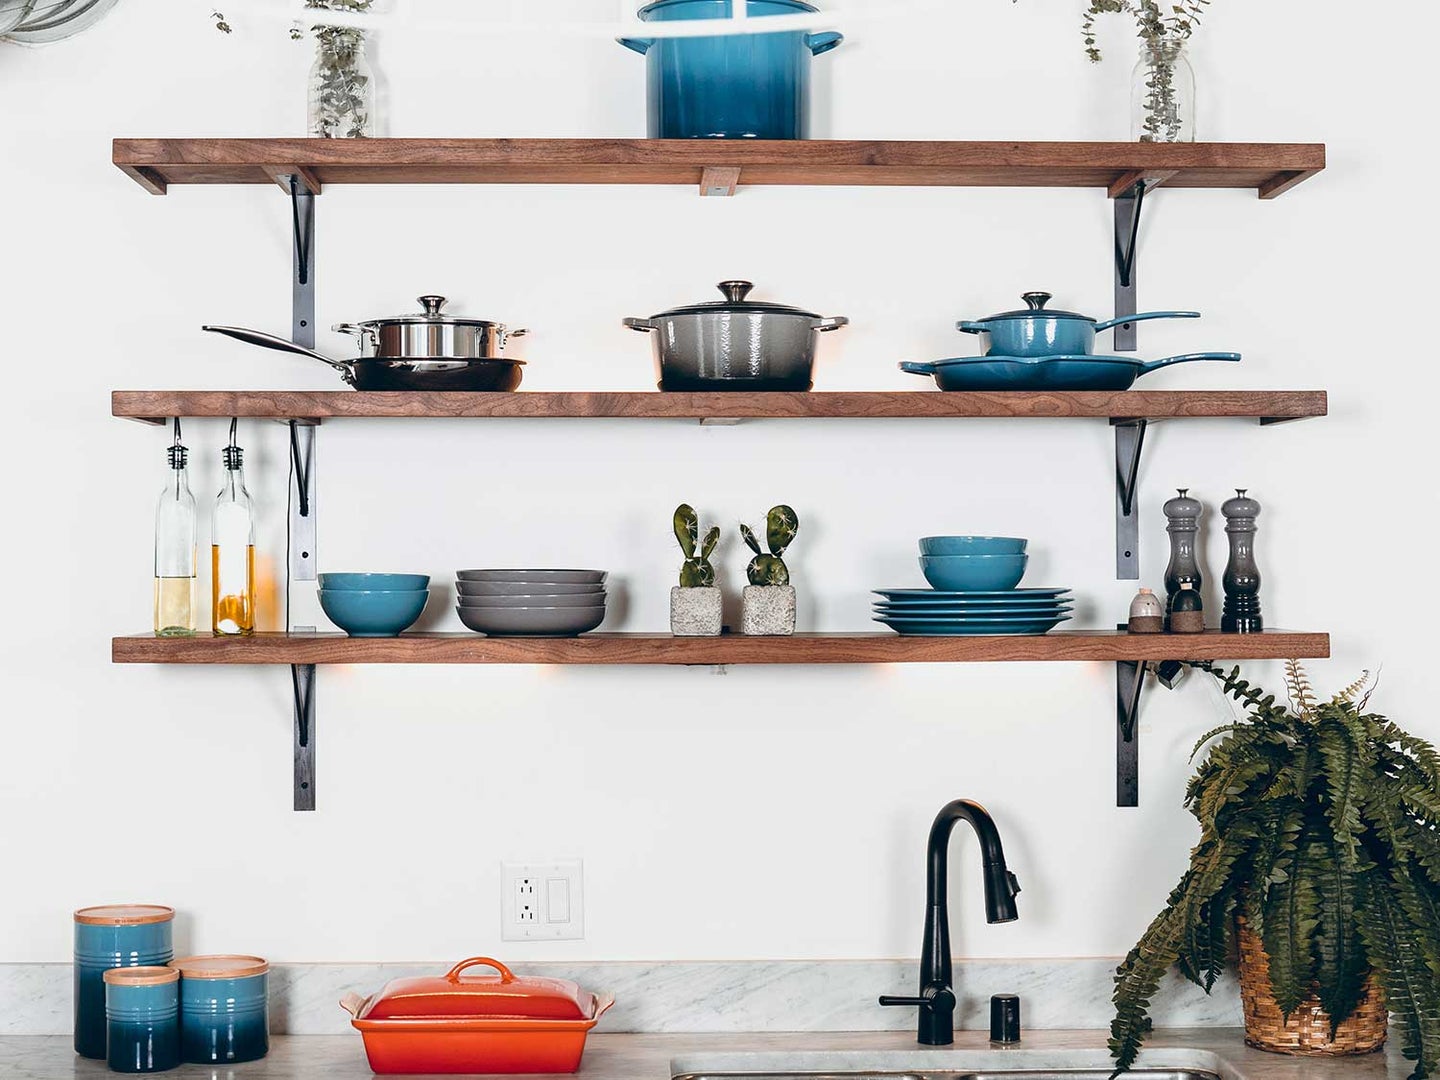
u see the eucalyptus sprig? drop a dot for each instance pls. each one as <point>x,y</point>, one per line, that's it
<point>1156,26</point>
<point>1320,824</point>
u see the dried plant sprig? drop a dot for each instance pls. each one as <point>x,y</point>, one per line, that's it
<point>1156,26</point>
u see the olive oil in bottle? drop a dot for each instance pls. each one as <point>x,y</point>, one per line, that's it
<point>232,552</point>
<point>175,549</point>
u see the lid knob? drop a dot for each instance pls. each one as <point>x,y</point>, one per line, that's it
<point>1036,301</point>
<point>432,304</point>
<point>736,291</point>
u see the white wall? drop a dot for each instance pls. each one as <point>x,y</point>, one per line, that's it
<point>768,813</point>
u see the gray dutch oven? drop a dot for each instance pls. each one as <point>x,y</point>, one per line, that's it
<point>1038,332</point>
<point>736,343</point>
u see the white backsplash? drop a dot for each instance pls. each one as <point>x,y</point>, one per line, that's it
<point>765,995</point>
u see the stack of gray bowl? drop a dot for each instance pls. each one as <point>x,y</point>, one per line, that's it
<point>531,603</point>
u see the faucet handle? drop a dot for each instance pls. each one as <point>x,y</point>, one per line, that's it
<point>912,1002</point>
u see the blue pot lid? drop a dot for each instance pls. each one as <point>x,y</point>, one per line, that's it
<point>1035,308</point>
<point>662,5</point>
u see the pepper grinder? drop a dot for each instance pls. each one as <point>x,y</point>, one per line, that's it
<point>1184,526</point>
<point>1242,575</point>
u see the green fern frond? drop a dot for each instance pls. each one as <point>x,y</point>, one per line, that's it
<point>1410,997</point>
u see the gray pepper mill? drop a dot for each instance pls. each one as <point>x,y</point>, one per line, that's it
<point>1242,575</point>
<point>1184,526</point>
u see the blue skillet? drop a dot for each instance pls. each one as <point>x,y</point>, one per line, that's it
<point>1049,372</point>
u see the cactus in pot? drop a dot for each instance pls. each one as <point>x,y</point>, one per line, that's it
<point>695,604</point>
<point>769,600</point>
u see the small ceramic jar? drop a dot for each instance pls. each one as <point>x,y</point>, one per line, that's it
<point>113,936</point>
<point>142,1019</point>
<point>224,1009</point>
<point>1147,614</point>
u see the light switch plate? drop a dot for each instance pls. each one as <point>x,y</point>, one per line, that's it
<point>542,901</point>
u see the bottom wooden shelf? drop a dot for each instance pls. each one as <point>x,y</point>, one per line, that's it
<point>864,648</point>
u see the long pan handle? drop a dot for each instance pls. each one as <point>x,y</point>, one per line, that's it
<point>1188,358</point>
<point>279,344</point>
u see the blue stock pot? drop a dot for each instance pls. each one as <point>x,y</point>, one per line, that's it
<point>113,936</point>
<point>731,86</point>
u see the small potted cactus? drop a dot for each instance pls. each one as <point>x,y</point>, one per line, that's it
<point>768,608</point>
<point>695,602</point>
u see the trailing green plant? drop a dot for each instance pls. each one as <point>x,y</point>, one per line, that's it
<point>1320,824</point>
<point>781,525</point>
<point>696,571</point>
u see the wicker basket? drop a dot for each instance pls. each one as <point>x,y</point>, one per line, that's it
<point>1308,1031</point>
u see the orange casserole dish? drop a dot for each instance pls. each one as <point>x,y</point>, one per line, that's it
<point>478,1024</point>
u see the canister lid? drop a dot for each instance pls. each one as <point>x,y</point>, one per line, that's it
<point>140,976</point>
<point>220,967</point>
<point>124,914</point>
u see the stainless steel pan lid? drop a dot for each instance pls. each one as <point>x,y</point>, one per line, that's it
<point>431,316</point>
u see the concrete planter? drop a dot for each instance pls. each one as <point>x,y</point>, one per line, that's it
<point>768,610</point>
<point>695,612</point>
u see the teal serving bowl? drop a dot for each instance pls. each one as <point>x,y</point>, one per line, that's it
<point>374,582</point>
<point>373,613</point>
<point>974,573</point>
<point>973,545</point>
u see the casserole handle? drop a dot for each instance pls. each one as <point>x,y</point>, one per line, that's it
<point>836,323</point>
<point>917,369</point>
<point>516,333</point>
<point>506,975</point>
<point>352,1003</point>
<point>973,327</point>
<point>1111,323</point>
<point>642,325</point>
<point>1188,358</point>
<point>602,1005</point>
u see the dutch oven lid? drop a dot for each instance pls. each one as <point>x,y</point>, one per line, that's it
<point>431,314</point>
<point>735,301</point>
<point>1035,306</point>
<point>505,995</point>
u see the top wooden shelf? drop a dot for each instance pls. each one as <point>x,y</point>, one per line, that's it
<point>1270,169</point>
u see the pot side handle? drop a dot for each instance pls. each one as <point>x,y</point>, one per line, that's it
<point>823,43</point>
<point>352,1003</point>
<point>1110,324</point>
<point>640,45</point>
<point>912,368</point>
<point>826,325</point>
<point>642,325</point>
<point>973,327</point>
<point>1155,365</point>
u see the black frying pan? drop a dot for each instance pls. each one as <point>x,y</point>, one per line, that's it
<point>371,374</point>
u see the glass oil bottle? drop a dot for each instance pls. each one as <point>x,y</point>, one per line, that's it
<point>232,551</point>
<point>175,549</point>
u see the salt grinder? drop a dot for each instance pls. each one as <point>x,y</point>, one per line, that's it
<point>1242,575</point>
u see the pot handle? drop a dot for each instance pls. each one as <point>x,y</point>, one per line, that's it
<point>1110,324</point>
<point>1154,365</point>
<point>516,333</point>
<point>973,327</point>
<point>353,1003</point>
<point>826,325</point>
<point>279,344</point>
<point>823,43</point>
<point>917,369</point>
<point>640,45</point>
<point>642,325</point>
<point>602,1005</point>
<point>506,975</point>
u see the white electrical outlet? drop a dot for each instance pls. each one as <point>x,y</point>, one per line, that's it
<point>542,901</point>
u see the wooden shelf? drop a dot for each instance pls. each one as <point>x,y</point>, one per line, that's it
<point>868,648</point>
<point>1267,168</point>
<point>156,406</point>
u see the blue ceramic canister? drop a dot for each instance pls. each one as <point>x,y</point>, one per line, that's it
<point>224,1009</point>
<point>142,1019</point>
<point>730,86</point>
<point>113,936</point>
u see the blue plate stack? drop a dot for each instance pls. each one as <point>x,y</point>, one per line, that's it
<point>974,579</point>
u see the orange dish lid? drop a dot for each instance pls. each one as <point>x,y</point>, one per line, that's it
<point>506,995</point>
<point>220,967</point>
<point>124,914</point>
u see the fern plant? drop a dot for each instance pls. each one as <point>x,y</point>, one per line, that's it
<point>1320,824</point>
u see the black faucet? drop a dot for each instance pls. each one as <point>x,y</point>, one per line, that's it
<point>936,1000</point>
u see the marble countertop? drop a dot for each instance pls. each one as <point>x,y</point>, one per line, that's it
<point>652,1057</point>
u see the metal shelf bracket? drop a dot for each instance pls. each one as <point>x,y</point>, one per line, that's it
<point>302,682</point>
<point>1129,446</point>
<point>1129,683</point>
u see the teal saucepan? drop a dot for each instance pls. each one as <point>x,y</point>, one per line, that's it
<point>1049,372</point>
<point>1037,331</point>
<point>973,545</point>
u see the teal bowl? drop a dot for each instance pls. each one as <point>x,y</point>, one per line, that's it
<point>974,573</point>
<point>371,613</point>
<point>375,582</point>
<point>973,545</point>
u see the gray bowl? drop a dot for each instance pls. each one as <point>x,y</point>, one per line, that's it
<point>567,577</point>
<point>526,588</point>
<point>537,600</point>
<point>531,622</point>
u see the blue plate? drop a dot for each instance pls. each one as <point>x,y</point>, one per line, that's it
<point>941,596</point>
<point>969,613</point>
<point>973,628</point>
